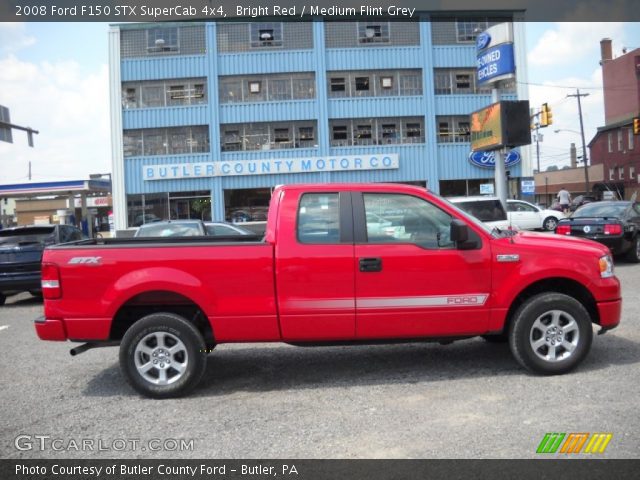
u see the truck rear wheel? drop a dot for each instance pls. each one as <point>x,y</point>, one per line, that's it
<point>550,334</point>
<point>163,355</point>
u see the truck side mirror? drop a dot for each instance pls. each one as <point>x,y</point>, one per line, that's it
<point>459,231</point>
<point>459,234</point>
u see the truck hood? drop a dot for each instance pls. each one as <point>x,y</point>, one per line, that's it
<point>550,243</point>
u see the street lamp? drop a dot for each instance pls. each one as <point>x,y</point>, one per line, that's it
<point>584,155</point>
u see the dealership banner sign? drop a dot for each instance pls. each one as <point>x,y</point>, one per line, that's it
<point>270,166</point>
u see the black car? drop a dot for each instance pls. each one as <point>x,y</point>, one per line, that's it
<point>614,224</point>
<point>21,253</point>
<point>581,200</point>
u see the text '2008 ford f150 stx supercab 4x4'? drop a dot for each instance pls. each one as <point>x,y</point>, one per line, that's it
<point>339,263</point>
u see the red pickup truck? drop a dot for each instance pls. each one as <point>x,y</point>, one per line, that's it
<point>338,264</point>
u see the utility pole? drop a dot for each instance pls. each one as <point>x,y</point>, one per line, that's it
<point>584,147</point>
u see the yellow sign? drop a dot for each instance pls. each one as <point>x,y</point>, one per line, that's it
<point>486,128</point>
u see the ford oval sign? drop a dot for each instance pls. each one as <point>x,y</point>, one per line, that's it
<point>483,40</point>
<point>488,159</point>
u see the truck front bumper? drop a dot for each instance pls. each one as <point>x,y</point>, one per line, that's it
<point>50,329</point>
<point>610,313</point>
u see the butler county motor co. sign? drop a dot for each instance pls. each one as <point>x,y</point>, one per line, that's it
<point>270,166</point>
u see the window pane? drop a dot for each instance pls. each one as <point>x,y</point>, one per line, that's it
<point>406,219</point>
<point>318,218</point>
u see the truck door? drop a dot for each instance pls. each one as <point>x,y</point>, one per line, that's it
<point>315,267</point>
<point>411,281</point>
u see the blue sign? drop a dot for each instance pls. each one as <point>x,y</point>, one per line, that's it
<point>495,63</point>
<point>528,187</point>
<point>488,159</point>
<point>483,40</point>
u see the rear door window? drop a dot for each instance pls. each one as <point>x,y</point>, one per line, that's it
<point>319,218</point>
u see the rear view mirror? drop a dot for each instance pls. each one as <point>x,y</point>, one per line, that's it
<point>460,234</point>
<point>459,231</point>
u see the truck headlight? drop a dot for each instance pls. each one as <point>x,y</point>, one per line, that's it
<point>606,266</point>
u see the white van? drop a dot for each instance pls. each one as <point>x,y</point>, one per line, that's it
<point>488,210</point>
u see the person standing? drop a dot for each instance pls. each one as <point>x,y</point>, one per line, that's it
<point>564,199</point>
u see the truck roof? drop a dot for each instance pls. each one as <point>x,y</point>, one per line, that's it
<point>392,187</point>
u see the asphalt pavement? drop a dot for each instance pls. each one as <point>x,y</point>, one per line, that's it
<point>416,400</point>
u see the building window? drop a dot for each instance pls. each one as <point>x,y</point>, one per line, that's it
<point>267,136</point>
<point>630,138</point>
<point>612,174</point>
<point>129,97</point>
<point>620,140</point>
<point>463,82</point>
<point>362,86</point>
<point>162,40</point>
<point>453,129</point>
<point>339,135</point>
<point>389,133</point>
<point>610,142</point>
<point>337,85</point>
<point>373,32</point>
<point>467,30</point>
<point>166,141</point>
<point>460,81</point>
<point>632,172</point>
<point>410,84</point>
<point>266,35</point>
<point>382,83</point>
<point>246,205</point>
<point>378,131</point>
<point>363,135</point>
<point>162,94</point>
<point>267,88</point>
<point>254,87</point>
<point>621,173</point>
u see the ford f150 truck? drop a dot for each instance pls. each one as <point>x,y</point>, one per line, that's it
<point>349,263</point>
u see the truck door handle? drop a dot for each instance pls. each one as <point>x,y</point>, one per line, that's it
<point>370,264</point>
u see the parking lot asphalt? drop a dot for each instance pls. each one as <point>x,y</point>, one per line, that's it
<point>469,399</point>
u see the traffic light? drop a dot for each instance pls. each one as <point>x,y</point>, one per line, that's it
<point>636,126</point>
<point>546,117</point>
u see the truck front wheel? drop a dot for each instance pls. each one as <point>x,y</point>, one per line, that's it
<point>550,334</point>
<point>163,355</point>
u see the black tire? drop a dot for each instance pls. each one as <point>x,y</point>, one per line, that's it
<point>496,338</point>
<point>633,255</point>
<point>532,324</point>
<point>550,223</point>
<point>173,331</point>
<point>3,298</point>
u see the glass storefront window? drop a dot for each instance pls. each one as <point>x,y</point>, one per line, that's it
<point>247,205</point>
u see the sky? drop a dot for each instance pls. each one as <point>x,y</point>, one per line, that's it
<point>54,78</point>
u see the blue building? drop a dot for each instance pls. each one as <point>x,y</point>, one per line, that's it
<point>208,117</point>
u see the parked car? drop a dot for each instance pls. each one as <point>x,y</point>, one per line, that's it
<point>488,210</point>
<point>225,229</point>
<point>581,200</point>
<point>527,216</point>
<point>614,224</point>
<point>21,252</point>
<point>172,228</point>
